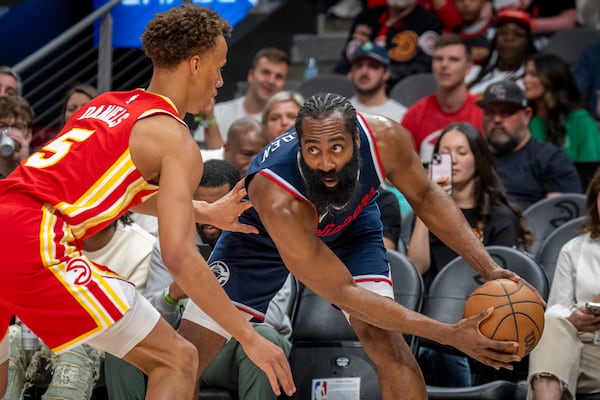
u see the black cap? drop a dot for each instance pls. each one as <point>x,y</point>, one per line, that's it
<point>503,92</point>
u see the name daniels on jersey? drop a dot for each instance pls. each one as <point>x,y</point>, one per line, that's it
<point>111,114</point>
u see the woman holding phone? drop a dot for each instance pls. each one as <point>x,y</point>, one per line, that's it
<point>472,182</point>
<point>476,188</point>
<point>566,359</point>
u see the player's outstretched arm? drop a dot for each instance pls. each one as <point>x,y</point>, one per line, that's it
<point>434,207</point>
<point>163,148</point>
<point>291,224</point>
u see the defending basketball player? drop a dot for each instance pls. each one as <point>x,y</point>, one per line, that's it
<point>313,191</point>
<point>113,155</point>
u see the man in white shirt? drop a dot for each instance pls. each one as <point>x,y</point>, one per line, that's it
<point>265,78</point>
<point>369,74</point>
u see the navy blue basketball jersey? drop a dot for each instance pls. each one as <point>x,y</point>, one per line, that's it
<point>249,266</point>
<point>279,162</point>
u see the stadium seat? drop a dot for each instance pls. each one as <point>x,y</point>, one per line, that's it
<point>445,302</point>
<point>548,214</point>
<point>550,248</point>
<point>332,83</point>
<point>326,348</point>
<point>412,88</point>
<point>569,43</point>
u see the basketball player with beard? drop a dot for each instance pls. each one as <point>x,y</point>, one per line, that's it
<point>313,192</point>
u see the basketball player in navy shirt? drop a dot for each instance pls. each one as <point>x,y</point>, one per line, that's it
<point>313,190</point>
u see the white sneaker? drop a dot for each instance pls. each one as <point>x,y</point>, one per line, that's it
<point>345,9</point>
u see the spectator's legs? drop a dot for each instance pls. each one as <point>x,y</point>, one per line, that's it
<point>253,383</point>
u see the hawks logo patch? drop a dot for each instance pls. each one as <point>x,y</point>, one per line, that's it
<point>79,271</point>
<point>221,271</point>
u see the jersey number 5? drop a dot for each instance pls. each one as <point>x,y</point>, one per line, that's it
<point>54,151</point>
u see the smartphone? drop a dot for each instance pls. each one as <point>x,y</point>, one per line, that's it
<point>441,169</point>
<point>592,308</point>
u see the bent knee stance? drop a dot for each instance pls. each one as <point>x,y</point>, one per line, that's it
<point>185,358</point>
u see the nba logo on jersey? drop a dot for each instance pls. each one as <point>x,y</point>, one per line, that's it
<point>319,391</point>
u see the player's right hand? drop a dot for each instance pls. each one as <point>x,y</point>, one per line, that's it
<point>225,211</point>
<point>274,363</point>
<point>472,342</point>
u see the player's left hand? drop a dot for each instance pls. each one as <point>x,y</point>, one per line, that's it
<point>224,212</point>
<point>499,272</point>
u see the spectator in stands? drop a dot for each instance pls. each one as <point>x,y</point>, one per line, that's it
<point>10,82</point>
<point>73,374</point>
<point>558,114</point>
<point>450,103</point>
<point>245,138</point>
<point>587,76</point>
<point>478,193</point>
<point>530,170</point>
<point>477,190</point>
<point>588,13</point>
<point>279,114</point>
<point>511,46</point>
<point>405,29</point>
<point>547,17</point>
<point>476,28</point>
<point>16,117</point>
<point>565,361</point>
<point>266,77</point>
<point>76,98</point>
<point>369,73</point>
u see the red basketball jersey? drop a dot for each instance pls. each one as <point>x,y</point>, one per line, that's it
<point>86,172</point>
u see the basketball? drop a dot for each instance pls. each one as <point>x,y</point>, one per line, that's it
<point>518,314</point>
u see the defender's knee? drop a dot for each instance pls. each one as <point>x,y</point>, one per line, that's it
<point>185,358</point>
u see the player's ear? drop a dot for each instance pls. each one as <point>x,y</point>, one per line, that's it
<point>194,63</point>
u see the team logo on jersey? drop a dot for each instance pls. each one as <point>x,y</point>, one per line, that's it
<point>221,271</point>
<point>79,271</point>
<point>132,98</point>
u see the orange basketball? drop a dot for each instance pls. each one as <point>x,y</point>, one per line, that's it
<point>518,314</point>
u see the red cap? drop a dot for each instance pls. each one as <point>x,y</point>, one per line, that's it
<point>513,15</point>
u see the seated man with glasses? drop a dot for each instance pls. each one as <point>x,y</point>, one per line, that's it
<point>16,116</point>
<point>529,170</point>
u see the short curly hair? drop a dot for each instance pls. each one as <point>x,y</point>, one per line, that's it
<point>174,35</point>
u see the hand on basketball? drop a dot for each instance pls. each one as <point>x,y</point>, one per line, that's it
<point>225,211</point>
<point>273,361</point>
<point>495,353</point>
<point>499,273</point>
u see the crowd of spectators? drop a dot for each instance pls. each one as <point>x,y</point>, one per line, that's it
<point>516,119</point>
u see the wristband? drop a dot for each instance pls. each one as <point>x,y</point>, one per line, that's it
<point>169,299</point>
<point>205,122</point>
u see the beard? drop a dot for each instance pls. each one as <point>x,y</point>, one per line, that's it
<point>501,141</point>
<point>209,239</point>
<point>324,197</point>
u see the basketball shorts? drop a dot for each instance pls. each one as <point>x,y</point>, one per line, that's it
<point>251,271</point>
<point>57,292</point>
